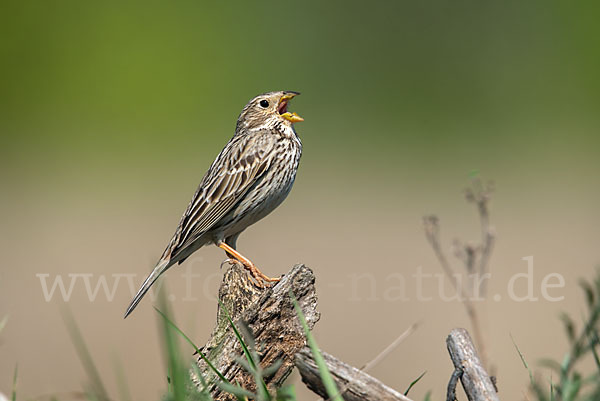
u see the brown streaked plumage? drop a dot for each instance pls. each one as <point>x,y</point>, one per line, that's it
<point>251,176</point>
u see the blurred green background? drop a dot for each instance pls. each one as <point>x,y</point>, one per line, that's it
<point>111,112</point>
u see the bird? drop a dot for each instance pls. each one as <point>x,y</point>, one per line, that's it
<point>250,177</point>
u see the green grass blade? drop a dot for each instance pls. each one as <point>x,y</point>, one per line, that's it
<point>588,290</point>
<point>531,380</point>
<point>594,341</point>
<point>239,392</point>
<point>122,383</point>
<point>571,388</point>
<point>3,323</point>
<point>244,336</point>
<point>200,377</point>
<point>254,365</point>
<point>176,374</point>
<point>414,382</point>
<point>185,337</point>
<point>257,371</point>
<point>326,378</point>
<point>239,337</point>
<point>98,389</point>
<point>270,370</point>
<point>550,364</point>
<point>14,384</point>
<point>286,393</point>
<point>569,327</point>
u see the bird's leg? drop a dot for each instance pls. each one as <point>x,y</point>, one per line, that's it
<point>230,259</point>
<point>257,274</point>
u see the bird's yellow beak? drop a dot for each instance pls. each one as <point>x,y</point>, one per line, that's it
<point>292,117</point>
<point>282,108</point>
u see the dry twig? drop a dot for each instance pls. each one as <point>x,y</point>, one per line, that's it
<point>475,258</point>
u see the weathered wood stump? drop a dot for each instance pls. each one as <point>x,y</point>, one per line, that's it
<point>269,314</point>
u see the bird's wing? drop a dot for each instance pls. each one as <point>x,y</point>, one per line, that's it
<point>234,171</point>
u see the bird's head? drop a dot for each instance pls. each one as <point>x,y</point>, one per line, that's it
<point>268,109</point>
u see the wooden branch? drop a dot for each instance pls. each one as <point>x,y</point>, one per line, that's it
<point>354,384</point>
<point>477,384</point>
<point>270,315</point>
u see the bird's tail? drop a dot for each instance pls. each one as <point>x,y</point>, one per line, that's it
<point>162,266</point>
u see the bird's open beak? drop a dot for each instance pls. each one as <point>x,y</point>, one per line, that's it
<point>282,108</point>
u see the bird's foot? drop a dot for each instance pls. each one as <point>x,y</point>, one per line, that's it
<point>260,277</point>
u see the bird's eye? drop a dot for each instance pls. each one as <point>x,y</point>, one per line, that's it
<point>264,103</point>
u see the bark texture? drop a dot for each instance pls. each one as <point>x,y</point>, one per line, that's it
<point>476,382</point>
<point>354,384</point>
<point>269,314</point>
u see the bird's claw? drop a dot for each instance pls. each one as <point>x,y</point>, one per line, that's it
<point>231,261</point>
<point>260,279</point>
